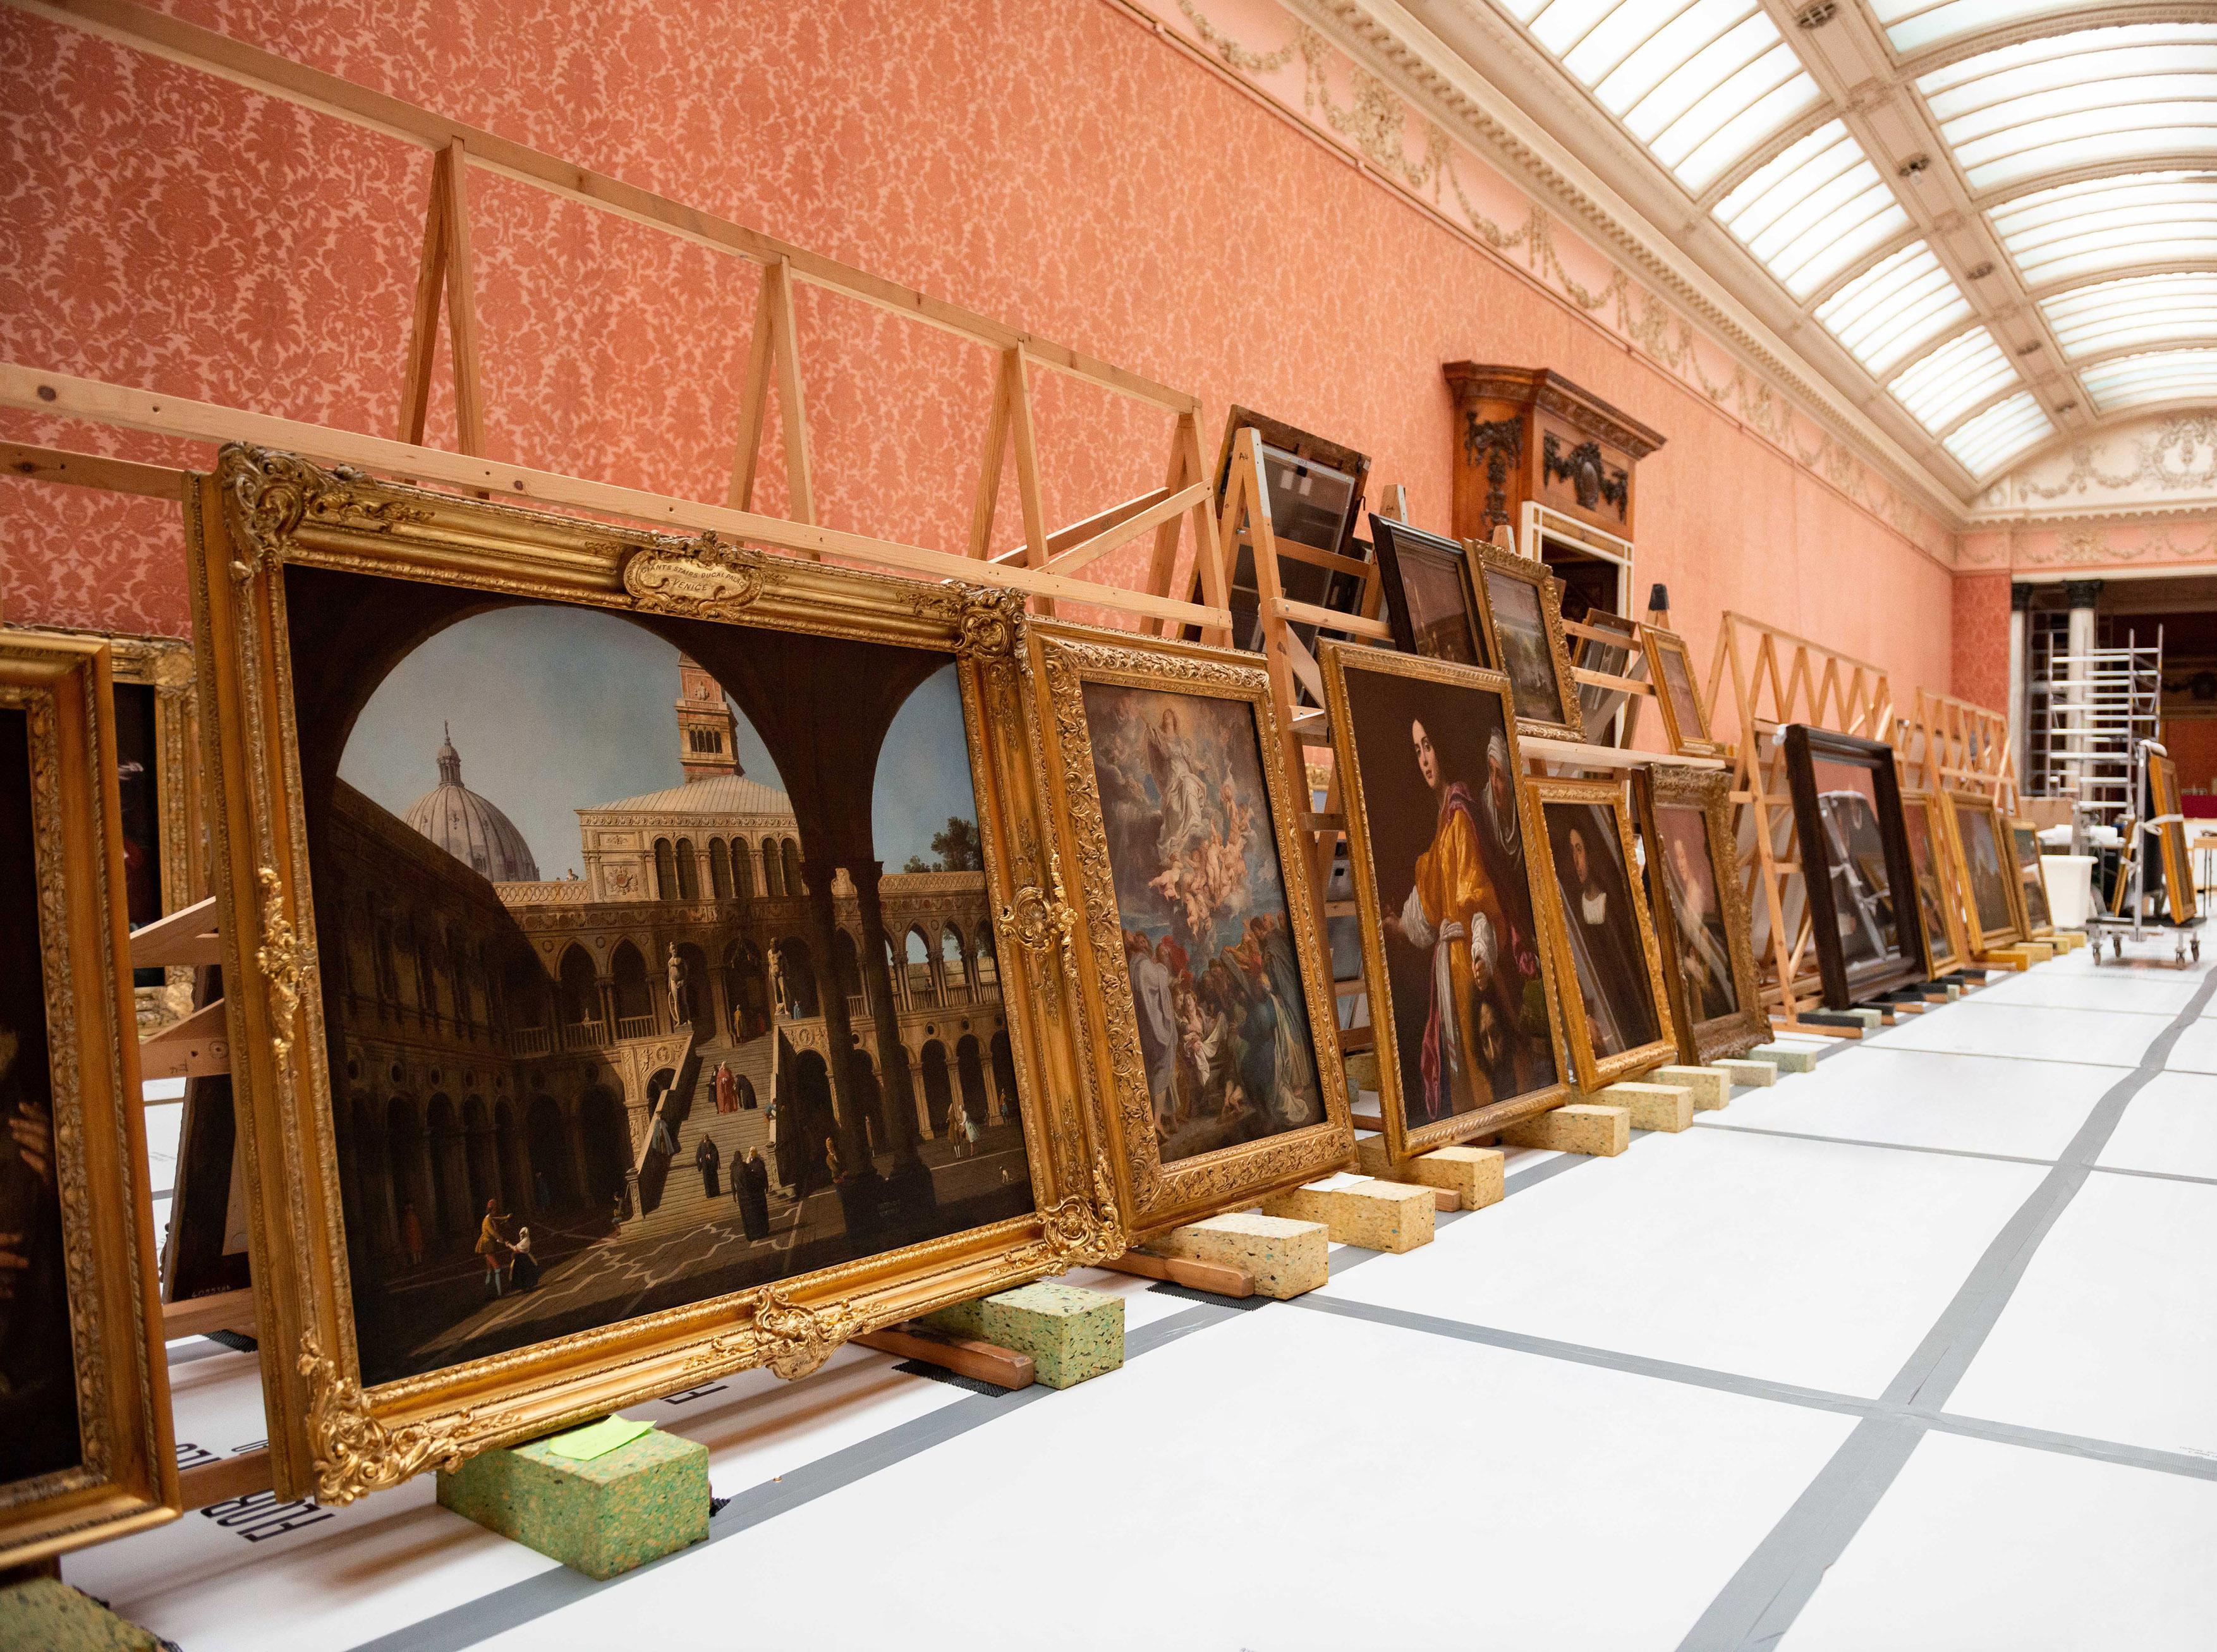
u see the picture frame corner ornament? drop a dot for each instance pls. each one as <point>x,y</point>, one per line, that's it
<point>988,619</point>
<point>355,1453</point>
<point>269,495</point>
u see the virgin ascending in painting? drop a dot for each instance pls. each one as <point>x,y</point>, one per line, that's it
<point>1223,1027</point>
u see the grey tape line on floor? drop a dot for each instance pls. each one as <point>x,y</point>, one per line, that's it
<point>1759,1604</point>
<point>466,1624</point>
<point>1946,1152</point>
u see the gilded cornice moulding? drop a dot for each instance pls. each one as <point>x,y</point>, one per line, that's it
<point>1401,88</point>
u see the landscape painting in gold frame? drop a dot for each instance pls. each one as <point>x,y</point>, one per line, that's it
<point>1455,965</point>
<point>1701,911</point>
<point>1608,969</point>
<point>392,972</point>
<point>1522,603</point>
<point>2036,917</point>
<point>1192,926</point>
<point>1978,847</point>
<point>1678,693</point>
<point>86,1452</point>
<point>1937,908</point>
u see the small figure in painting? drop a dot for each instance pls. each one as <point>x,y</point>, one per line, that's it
<point>957,1128</point>
<point>681,998</point>
<point>750,1188</point>
<point>1157,1017</point>
<point>707,1159</point>
<point>493,1246</point>
<point>728,1089</point>
<point>411,1234</point>
<point>522,1266</point>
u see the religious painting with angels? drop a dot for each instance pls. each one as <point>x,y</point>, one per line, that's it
<point>1456,970</point>
<point>1199,919</point>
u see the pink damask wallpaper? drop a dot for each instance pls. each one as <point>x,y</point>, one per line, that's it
<point>1063,168</point>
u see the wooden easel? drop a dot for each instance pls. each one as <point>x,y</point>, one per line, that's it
<point>1953,745</point>
<point>1771,678</point>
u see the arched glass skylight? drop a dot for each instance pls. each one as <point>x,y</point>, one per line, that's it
<point>1912,25</point>
<point>2098,224</point>
<point>1813,209</point>
<point>2092,97</point>
<point>1952,380</point>
<point>1699,81</point>
<point>1897,305</point>
<point>2174,308</point>
<point>1997,435</point>
<point>2157,376</point>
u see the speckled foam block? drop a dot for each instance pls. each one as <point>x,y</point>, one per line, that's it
<point>1786,1057</point>
<point>604,1517</point>
<point>1579,1127</point>
<point>1376,1215</point>
<point>46,1613</point>
<point>1282,1256</point>
<point>1711,1086</point>
<point>1871,1019</point>
<point>1473,1172</point>
<point>1760,1074</point>
<point>1071,1332</point>
<point>1370,1157</point>
<point>1653,1106</point>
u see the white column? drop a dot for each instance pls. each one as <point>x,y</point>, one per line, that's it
<point>2020,691</point>
<point>2081,595</point>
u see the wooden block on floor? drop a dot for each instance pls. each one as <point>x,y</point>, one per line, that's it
<point>1579,1127</point>
<point>602,1517</point>
<point>1358,1210</point>
<point>1284,1257</point>
<point>46,1613</point>
<point>1785,1058</point>
<point>1473,1174</point>
<point>1653,1106</point>
<point>2005,958</point>
<point>1746,1070</point>
<point>1712,1086</point>
<point>2068,940</point>
<point>1071,1332</point>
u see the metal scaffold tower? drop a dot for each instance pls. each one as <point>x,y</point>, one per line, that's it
<point>2090,709</point>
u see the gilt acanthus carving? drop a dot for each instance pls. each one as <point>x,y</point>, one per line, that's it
<point>703,577</point>
<point>792,1340</point>
<point>353,1451</point>
<point>283,960</point>
<point>271,496</point>
<point>1081,1228</point>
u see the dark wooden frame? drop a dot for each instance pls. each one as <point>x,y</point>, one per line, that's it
<point>1395,540</point>
<point>1804,747</point>
<point>1709,790</point>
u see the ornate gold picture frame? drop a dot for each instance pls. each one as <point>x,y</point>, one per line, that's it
<point>163,724</point>
<point>1451,803</point>
<point>1679,693</point>
<point>1938,907</point>
<point>1271,1141</point>
<point>1985,893</point>
<point>88,1447</point>
<point>1637,1031</point>
<point>1527,644</point>
<point>1701,911</point>
<point>2034,916</point>
<point>276,542</point>
<point>2180,894</point>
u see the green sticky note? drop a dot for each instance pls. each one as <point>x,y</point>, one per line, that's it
<point>597,1438</point>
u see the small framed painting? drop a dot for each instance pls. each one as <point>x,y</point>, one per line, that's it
<point>1701,911</point>
<point>1980,851</point>
<point>1208,993</point>
<point>1855,864</point>
<point>1430,601</point>
<point>542,846</point>
<point>85,1446</point>
<point>1457,972</point>
<point>2031,881</point>
<point>1685,720</point>
<point>2181,895</point>
<point>1522,609</point>
<point>1608,969</point>
<point>1925,825</point>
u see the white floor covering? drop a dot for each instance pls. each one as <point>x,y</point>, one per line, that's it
<point>1601,1414</point>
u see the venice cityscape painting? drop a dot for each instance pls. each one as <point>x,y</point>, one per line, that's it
<point>647,980</point>
<point>1216,983</point>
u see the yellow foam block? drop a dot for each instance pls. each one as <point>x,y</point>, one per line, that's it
<point>1474,1174</point>
<point>1759,1074</point>
<point>1376,1215</point>
<point>1284,1257</point>
<point>1712,1086</point>
<point>1578,1127</point>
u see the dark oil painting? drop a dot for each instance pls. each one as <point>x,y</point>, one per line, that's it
<point>1917,825</point>
<point>1855,850</point>
<point>1704,960</point>
<point>1982,867</point>
<point>1607,955</point>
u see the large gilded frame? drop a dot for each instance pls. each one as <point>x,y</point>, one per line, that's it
<point>1595,1072</point>
<point>1064,658</point>
<point>329,1437</point>
<point>1401,1142</point>
<point>1980,940</point>
<point>165,665</point>
<point>2179,892</point>
<point>1709,790</point>
<point>1933,810</point>
<point>127,1479</point>
<point>1485,558</point>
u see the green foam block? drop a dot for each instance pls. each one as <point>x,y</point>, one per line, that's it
<point>1071,1332</point>
<point>46,1614</point>
<point>602,1516</point>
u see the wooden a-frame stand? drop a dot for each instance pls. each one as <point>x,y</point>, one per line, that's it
<point>1952,745</point>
